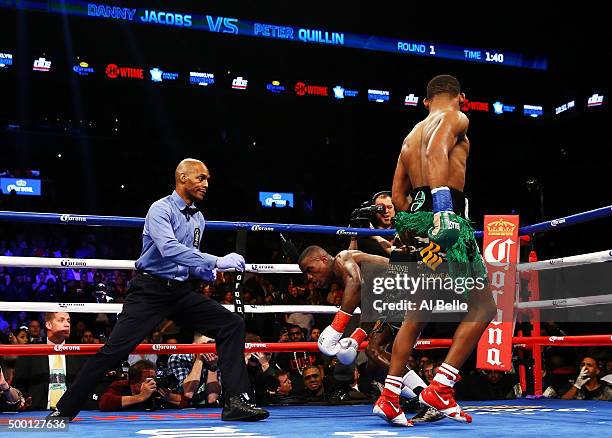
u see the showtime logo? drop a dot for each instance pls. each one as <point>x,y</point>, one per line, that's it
<point>113,71</point>
<point>160,347</point>
<point>474,106</point>
<point>60,348</point>
<point>302,89</point>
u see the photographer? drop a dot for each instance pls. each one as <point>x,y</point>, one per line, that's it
<point>197,377</point>
<point>376,213</point>
<point>139,392</point>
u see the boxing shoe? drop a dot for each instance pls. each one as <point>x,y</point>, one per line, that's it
<point>388,408</point>
<point>239,408</point>
<point>442,397</point>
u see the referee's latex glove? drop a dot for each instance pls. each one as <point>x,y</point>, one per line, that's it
<point>583,377</point>
<point>231,261</point>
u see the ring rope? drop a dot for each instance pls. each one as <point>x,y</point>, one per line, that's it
<point>284,347</point>
<point>272,268</point>
<point>134,222</point>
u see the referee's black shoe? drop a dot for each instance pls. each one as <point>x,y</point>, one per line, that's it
<point>239,408</point>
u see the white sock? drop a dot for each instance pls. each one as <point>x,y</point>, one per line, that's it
<point>447,375</point>
<point>393,384</point>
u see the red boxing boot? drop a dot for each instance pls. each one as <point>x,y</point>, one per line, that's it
<point>442,397</point>
<point>388,408</point>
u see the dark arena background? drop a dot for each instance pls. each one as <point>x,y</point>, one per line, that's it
<point>311,101</point>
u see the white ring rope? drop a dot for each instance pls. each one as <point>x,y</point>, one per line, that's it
<point>67,263</point>
<point>270,268</point>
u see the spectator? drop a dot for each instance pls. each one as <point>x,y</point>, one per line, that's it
<point>88,338</point>
<point>427,371</point>
<point>36,337</point>
<point>314,334</point>
<point>140,391</point>
<point>334,293</point>
<point>588,385</point>
<point>280,390</point>
<point>21,336</point>
<point>45,378</point>
<point>313,382</point>
<point>304,320</point>
<point>295,363</point>
<point>228,298</point>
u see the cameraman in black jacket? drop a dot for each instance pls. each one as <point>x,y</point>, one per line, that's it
<point>375,213</point>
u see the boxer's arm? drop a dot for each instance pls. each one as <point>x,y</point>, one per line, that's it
<point>401,187</point>
<point>160,229</point>
<point>351,275</point>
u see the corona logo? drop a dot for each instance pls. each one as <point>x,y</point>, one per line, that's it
<point>500,227</point>
<point>261,228</point>
<point>160,347</point>
<point>249,345</point>
<point>66,348</point>
<point>70,218</point>
<point>346,233</point>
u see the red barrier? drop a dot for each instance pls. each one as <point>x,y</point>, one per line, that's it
<point>281,347</point>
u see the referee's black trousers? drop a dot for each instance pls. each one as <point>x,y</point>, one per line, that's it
<point>149,301</point>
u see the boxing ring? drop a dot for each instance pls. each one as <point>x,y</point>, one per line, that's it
<point>525,416</point>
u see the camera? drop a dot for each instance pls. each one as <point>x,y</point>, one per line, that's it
<point>363,216</point>
<point>101,294</point>
<point>165,379</point>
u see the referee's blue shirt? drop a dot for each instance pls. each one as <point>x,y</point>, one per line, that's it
<point>171,241</point>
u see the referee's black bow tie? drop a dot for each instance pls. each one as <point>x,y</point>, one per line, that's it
<point>189,211</point>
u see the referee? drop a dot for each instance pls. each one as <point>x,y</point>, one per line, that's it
<point>170,256</point>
